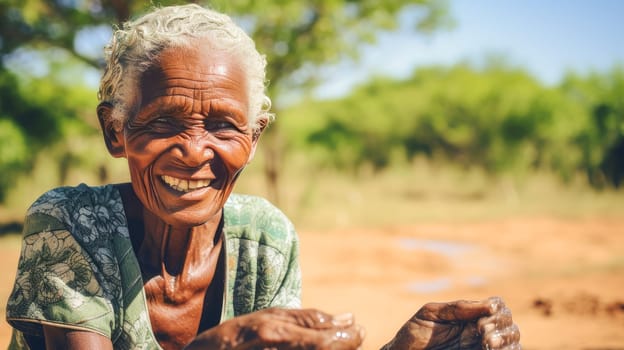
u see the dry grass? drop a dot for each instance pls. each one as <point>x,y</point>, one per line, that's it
<point>421,191</point>
<point>323,199</point>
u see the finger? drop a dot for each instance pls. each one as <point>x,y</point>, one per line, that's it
<point>502,339</point>
<point>461,310</point>
<point>347,340</point>
<point>496,304</point>
<point>313,318</point>
<point>292,336</point>
<point>500,320</point>
<point>343,320</point>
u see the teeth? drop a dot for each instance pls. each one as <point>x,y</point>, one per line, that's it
<point>184,185</point>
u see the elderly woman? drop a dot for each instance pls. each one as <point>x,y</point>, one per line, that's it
<point>172,259</point>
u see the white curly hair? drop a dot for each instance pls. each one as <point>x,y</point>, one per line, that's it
<point>136,45</point>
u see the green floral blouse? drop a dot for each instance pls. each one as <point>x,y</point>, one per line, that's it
<point>77,268</point>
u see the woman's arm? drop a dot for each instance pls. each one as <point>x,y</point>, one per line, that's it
<point>71,339</point>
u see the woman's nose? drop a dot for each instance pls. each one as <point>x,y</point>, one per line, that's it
<point>195,151</point>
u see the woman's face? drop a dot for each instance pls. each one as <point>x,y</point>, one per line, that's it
<point>190,137</point>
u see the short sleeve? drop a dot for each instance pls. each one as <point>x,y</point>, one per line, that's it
<point>59,281</point>
<point>56,285</point>
<point>289,293</point>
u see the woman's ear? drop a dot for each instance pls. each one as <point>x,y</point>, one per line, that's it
<point>113,138</point>
<point>256,133</point>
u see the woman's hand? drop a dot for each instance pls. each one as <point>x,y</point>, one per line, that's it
<point>459,325</point>
<point>283,329</point>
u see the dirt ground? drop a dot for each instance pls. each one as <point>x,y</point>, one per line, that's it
<point>562,278</point>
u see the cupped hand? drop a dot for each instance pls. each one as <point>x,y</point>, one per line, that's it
<point>459,325</point>
<point>283,329</point>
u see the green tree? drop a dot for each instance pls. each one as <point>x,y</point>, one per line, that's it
<point>498,118</point>
<point>298,37</point>
<point>37,113</point>
<point>599,139</point>
<point>474,118</point>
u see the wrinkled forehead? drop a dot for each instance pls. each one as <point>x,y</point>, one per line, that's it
<point>197,72</point>
<point>201,65</point>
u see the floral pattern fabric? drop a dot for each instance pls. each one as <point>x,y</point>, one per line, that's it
<point>77,268</point>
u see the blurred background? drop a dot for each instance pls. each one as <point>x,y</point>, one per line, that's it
<point>424,149</point>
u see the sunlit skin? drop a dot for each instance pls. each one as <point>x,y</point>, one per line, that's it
<point>191,125</point>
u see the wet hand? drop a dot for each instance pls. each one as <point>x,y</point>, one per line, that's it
<point>459,325</point>
<point>283,329</point>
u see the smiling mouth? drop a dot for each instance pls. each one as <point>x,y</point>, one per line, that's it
<point>182,185</point>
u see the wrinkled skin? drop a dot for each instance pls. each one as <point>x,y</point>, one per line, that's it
<point>191,124</point>
<point>459,325</point>
<point>283,329</point>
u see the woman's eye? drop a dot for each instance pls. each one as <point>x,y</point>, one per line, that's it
<point>164,125</point>
<point>162,122</point>
<point>219,125</point>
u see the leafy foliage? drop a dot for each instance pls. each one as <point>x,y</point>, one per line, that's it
<point>23,132</point>
<point>600,141</point>
<point>35,114</point>
<point>500,119</point>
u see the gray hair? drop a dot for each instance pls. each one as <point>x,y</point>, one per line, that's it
<point>135,46</point>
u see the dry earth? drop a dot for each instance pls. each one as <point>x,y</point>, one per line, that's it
<point>562,278</point>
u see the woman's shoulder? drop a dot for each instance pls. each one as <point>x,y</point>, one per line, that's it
<point>74,195</point>
<point>245,209</point>
<point>255,218</point>
<point>68,204</point>
<point>239,201</point>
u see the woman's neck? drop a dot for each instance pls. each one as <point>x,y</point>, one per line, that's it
<point>179,255</point>
<point>173,249</point>
<point>184,257</point>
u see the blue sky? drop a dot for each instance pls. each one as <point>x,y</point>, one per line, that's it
<point>548,38</point>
